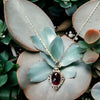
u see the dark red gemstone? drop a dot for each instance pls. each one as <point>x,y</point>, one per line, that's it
<point>56,78</point>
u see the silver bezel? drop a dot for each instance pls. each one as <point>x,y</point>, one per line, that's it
<point>56,87</point>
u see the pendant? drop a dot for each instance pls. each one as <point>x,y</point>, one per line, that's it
<point>56,79</point>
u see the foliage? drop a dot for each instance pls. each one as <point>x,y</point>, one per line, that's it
<point>4,38</point>
<point>8,79</point>
<point>41,3</point>
<point>94,48</point>
<point>9,89</point>
<point>70,5</point>
<point>65,3</point>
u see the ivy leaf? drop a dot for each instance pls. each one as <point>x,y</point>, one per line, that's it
<point>96,48</point>
<point>14,94</point>
<point>56,48</point>
<point>48,59</point>
<point>1,26</point>
<point>96,91</point>
<point>8,66</point>
<point>3,79</point>
<point>4,93</point>
<point>39,72</point>
<point>47,36</point>
<point>37,43</point>
<point>74,53</point>
<point>6,40</point>
<point>71,10</point>
<point>4,56</point>
<point>4,27</point>
<point>12,79</point>
<point>83,45</point>
<point>69,72</point>
<point>1,35</point>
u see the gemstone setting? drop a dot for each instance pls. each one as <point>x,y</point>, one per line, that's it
<point>56,79</point>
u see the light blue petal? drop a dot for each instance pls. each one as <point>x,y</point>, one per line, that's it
<point>47,36</point>
<point>73,54</point>
<point>39,72</point>
<point>69,72</point>
<point>37,43</point>
<point>56,48</point>
<point>48,59</point>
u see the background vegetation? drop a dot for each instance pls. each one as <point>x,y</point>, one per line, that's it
<point>58,11</point>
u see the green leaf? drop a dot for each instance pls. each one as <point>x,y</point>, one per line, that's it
<point>4,56</point>
<point>47,36</point>
<point>97,42</point>
<point>73,54</point>
<point>96,47</point>
<point>34,0</point>
<point>55,11</point>
<point>4,93</point>
<point>39,72</point>
<point>62,4</point>
<point>96,91</point>
<point>57,0</point>
<point>14,94</point>
<point>3,79</point>
<point>8,66</point>
<point>97,50</point>
<point>83,45</point>
<point>74,0</point>
<point>15,66</point>
<point>4,27</point>
<point>1,26</point>
<point>37,43</point>
<point>70,11</point>
<point>48,59</point>
<point>1,67</point>
<point>69,72</point>
<point>1,35</point>
<point>56,48</point>
<point>41,3</point>
<point>6,40</point>
<point>65,0</point>
<point>12,79</point>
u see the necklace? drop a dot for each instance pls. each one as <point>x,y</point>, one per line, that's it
<point>56,78</point>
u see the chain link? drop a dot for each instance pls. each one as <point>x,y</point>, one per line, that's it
<point>86,21</point>
<point>36,32</point>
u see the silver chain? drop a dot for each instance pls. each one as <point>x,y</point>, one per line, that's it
<point>36,31</point>
<point>86,21</point>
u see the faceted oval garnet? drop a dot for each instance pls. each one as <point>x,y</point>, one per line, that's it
<point>56,78</point>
